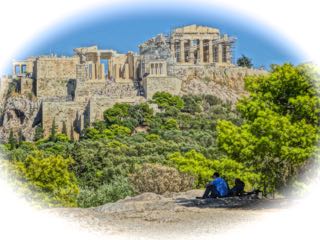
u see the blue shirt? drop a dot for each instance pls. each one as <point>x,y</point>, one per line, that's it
<point>221,186</point>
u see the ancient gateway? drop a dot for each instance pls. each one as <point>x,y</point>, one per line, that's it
<point>75,91</point>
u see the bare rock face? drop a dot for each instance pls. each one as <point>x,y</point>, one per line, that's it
<point>173,202</point>
<point>20,114</point>
<point>225,83</point>
<point>140,203</point>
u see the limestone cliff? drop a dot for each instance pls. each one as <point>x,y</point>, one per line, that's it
<point>20,114</point>
<point>225,83</point>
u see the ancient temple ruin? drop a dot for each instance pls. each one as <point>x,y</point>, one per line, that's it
<point>76,90</point>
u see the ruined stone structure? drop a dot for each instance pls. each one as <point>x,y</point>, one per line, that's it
<point>75,91</point>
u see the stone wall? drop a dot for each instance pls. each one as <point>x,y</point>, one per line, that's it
<point>26,86</point>
<point>53,75</point>
<point>152,85</point>
<point>77,115</point>
<point>72,113</point>
<point>85,89</point>
<point>107,88</point>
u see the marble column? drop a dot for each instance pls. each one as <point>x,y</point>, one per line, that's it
<point>173,51</point>
<point>126,71</point>
<point>117,71</point>
<point>200,50</point>
<point>182,57</point>
<point>191,52</point>
<point>98,72</point>
<point>210,52</point>
<point>219,53</point>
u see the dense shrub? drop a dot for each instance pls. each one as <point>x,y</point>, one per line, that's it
<point>160,179</point>
<point>167,101</point>
<point>111,192</point>
<point>47,179</point>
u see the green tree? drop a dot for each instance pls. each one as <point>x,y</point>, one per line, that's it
<point>61,137</point>
<point>279,135</point>
<point>166,101</point>
<point>53,131</point>
<point>142,113</point>
<point>64,128</point>
<point>192,104</point>
<point>244,61</point>
<point>196,164</point>
<point>12,141</point>
<point>38,133</point>
<point>118,113</point>
<point>47,178</point>
<point>170,124</point>
<point>20,137</point>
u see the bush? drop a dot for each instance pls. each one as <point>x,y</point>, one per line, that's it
<point>47,179</point>
<point>160,179</point>
<point>166,100</point>
<point>117,189</point>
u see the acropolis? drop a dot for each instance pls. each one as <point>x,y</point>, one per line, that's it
<point>76,90</point>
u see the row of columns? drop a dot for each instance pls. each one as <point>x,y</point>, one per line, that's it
<point>210,58</point>
<point>118,73</point>
<point>157,69</point>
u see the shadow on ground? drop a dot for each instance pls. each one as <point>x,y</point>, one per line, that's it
<point>235,203</point>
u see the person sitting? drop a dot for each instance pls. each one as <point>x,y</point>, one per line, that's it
<point>238,188</point>
<point>216,188</point>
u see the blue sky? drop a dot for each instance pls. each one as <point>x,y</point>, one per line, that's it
<point>125,30</point>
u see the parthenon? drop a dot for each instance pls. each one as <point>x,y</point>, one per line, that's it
<point>197,44</point>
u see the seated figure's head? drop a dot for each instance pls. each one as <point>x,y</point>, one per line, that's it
<point>216,175</point>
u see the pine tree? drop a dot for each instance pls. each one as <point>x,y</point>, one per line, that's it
<point>72,133</point>
<point>244,61</point>
<point>12,140</point>
<point>38,133</point>
<point>64,128</point>
<point>20,137</point>
<point>53,131</point>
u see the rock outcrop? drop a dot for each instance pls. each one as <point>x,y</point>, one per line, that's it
<point>225,83</point>
<point>20,114</point>
<point>172,216</point>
